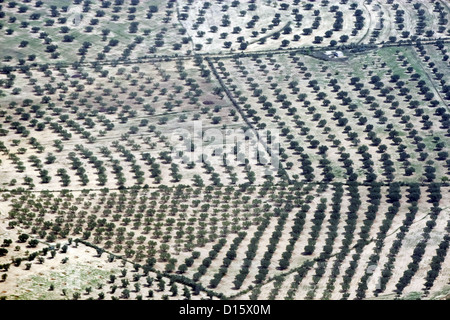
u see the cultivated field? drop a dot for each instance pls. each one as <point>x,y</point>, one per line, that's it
<point>224,150</point>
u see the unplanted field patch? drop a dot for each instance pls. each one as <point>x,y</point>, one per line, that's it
<point>73,277</point>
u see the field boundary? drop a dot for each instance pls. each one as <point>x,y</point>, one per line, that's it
<point>166,58</point>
